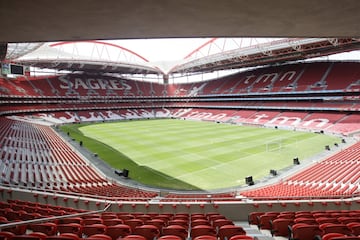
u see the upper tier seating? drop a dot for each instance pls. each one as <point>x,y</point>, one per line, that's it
<point>293,77</point>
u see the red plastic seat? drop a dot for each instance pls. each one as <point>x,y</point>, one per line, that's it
<point>205,237</point>
<point>280,227</point>
<point>7,235</point>
<point>159,223</point>
<point>330,236</point>
<point>70,228</point>
<point>227,231</point>
<point>200,221</point>
<point>148,231</point>
<point>181,222</point>
<point>202,230</point>
<point>264,221</point>
<point>38,234</point>
<point>354,227</point>
<point>90,221</point>
<point>253,217</point>
<point>48,228</point>
<point>99,237</point>
<point>303,231</point>
<point>119,230</point>
<point>221,222</point>
<point>241,237</point>
<point>26,237</point>
<point>176,230</point>
<point>133,223</point>
<point>70,235</point>
<point>134,237</point>
<point>92,229</point>
<point>112,222</point>
<point>170,237</point>
<point>335,228</point>
<point>71,220</point>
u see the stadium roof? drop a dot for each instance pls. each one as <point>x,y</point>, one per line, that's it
<point>42,20</point>
<point>113,19</point>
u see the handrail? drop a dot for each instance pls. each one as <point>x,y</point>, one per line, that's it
<point>41,220</point>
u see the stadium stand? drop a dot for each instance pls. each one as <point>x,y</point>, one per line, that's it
<point>56,180</point>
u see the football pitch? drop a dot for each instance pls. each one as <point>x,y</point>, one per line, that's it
<point>194,155</point>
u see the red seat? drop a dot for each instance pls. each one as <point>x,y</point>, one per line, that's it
<point>70,228</point>
<point>90,221</point>
<point>38,234</point>
<point>92,229</point>
<point>112,222</point>
<point>264,221</point>
<point>148,231</point>
<point>71,220</point>
<point>303,231</point>
<point>221,222</point>
<point>202,230</point>
<point>181,222</point>
<point>133,223</point>
<point>134,237</point>
<point>70,235</point>
<point>7,235</point>
<point>241,237</point>
<point>201,221</point>
<point>48,228</point>
<point>335,228</point>
<point>176,230</point>
<point>99,237</point>
<point>170,237</point>
<point>280,227</point>
<point>206,237</point>
<point>227,231</point>
<point>330,236</point>
<point>253,217</point>
<point>159,223</point>
<point>119,230</point>
<point>354,227</point>
<point>26,237</point>
<point>346,238</point>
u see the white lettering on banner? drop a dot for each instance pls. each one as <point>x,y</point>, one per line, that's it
<point>270,76</point>
<point>282,120</point>
<point>92,83</point>
<point>267,76</point>
<point>219,116</point>
<point>65,81</point>
<point>259,116</point>
<point>247,78</point>
<point>78,82</point>
<point>322,122</point>
<point>292,74</point>
<point>181,112</point>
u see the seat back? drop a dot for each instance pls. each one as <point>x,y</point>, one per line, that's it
<point>305,231</point>
<point>70,228</point>
<point>202,230</point>
<point>47,228</point>
<point>119,230</point>
<point>227,231</point>
<point>176,230</point>
<point>148,231</point>
<point>280,227</point>
<point>89,230</point>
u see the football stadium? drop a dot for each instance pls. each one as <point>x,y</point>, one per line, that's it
<point>186,120</point>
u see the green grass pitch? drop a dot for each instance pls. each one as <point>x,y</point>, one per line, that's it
<point>194,155</point>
